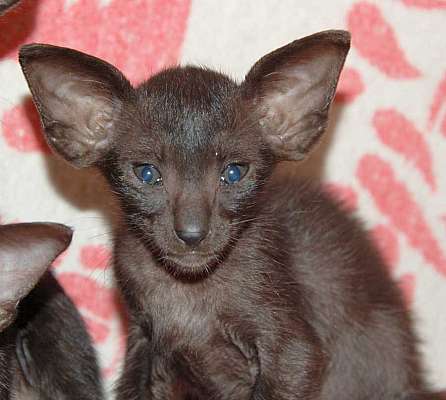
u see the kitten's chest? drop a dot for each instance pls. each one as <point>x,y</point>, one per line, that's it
<point>193,334</point>
<point>181,316</point>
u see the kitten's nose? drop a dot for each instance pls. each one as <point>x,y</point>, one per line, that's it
<point>191,237</point>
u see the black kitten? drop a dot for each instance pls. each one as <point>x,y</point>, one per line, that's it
<point>239,285</point>
<point>45,351</point>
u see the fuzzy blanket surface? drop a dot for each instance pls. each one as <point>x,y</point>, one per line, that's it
<point>384,154</point>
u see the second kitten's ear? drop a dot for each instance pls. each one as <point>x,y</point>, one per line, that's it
<point>79,98</point>
<point>26,251</point>
<point>290,90</point>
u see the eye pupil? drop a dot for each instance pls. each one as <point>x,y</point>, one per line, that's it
<point>234,174</point>
<point>148,173</point>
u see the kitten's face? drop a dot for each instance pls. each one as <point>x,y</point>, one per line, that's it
<point>186,151</point>
<point>185,176</point>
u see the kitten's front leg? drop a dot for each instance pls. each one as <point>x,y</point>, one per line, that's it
<point>135,380</point>
<point>168,384</point>
<point>290,369</point>
<point>147,375</point>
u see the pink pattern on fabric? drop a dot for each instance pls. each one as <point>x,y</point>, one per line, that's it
<point>60,258</point>
<point>21,129</point>
<point>350,85</point>
<point>394,200</point>
<point>88,294</point>
<point>98,330</point>
<point>374,39</point>
<point>401,135</point>
<point>139,39</point>
<point>428,4</point>
<point>342,193</point>
<point>438,105</point>
<point>386,240</point>
<point>95,257</point>
<point>407,285</point>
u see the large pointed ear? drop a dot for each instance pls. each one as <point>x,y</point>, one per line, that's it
<point>26,251</point>
<point>289,91</point>
<point>79,99</point>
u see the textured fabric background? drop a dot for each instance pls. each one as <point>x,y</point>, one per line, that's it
<point>384,153</point>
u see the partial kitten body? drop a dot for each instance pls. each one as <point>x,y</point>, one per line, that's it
<point>6,5</point>
<point>45,351</point>
<point>239,285</point>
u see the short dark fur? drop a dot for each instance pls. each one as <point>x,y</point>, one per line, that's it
<point>283,297</point>
<point>46,352</point>
<point>6,5</point>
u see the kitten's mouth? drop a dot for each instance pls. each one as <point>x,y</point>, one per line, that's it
<point>192,264</point>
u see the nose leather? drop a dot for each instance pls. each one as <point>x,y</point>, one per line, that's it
<point>191,237</point>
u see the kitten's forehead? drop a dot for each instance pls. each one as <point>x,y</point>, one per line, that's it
<point>188,106</point>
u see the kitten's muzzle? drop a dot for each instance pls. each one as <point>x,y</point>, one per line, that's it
<point>191,218</point>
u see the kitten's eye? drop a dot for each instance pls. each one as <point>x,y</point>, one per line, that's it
<point>233,173</point>
<point>148,173</point>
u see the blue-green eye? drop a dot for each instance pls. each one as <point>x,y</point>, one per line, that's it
<point>148,173</point>
<point>233,173</point>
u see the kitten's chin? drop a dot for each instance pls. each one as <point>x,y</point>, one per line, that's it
<point>191,266</point>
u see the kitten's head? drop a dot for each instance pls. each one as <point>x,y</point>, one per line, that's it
<point>26,251</point>
<point>188,150</point>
